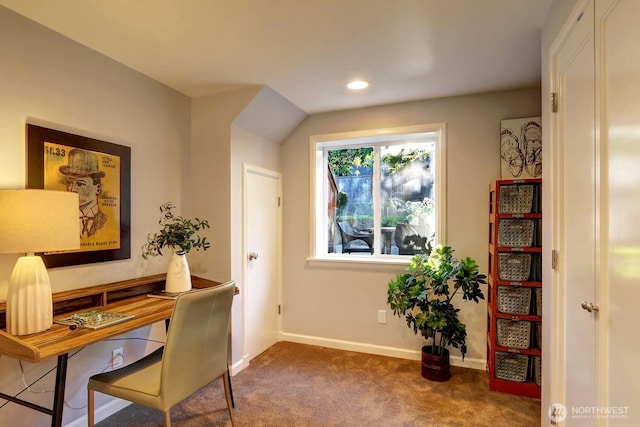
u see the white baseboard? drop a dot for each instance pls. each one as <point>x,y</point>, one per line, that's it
<point>402,353</point>
<point>239,365</point>
<point>101,413</point>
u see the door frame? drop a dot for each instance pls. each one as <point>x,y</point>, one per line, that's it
<point>247,169</point>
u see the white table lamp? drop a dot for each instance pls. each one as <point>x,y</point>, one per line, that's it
<point>35,221</point>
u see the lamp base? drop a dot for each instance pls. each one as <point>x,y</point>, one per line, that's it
<point>29,302</point>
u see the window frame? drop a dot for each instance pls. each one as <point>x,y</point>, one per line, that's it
<point>318,239</point>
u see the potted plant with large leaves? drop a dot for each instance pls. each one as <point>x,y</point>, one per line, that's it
<point>180,236</point>
<point>424,297</point>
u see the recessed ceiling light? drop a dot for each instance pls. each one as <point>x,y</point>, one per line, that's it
<point>358,84</point>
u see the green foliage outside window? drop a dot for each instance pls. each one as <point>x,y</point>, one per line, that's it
<point>349,161</point>
<point>393,220</point>
<point>396,162</point>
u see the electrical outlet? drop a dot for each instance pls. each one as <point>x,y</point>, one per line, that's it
<point>117,358</point>
<point>382,316</point>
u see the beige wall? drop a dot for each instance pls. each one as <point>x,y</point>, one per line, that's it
<point>211,174</point>
<point>338,306</point>
<point>49,80</point>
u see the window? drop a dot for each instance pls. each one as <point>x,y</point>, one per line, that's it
<point>377,195</point>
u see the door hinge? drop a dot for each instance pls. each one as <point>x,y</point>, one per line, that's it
<point>554,259</point>
<point>554,102</point>
<point>279,308</point>
<point>278,201</point>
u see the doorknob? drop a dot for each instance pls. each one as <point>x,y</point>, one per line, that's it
<point>589,306</point>
<point>252,256</point>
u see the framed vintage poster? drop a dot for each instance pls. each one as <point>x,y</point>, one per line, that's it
<point>100,172</point>
<point>521,148</point>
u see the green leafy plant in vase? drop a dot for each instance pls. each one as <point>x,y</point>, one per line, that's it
<point>180,236</point>
<point>424,297</point>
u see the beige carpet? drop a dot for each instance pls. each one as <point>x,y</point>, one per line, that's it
<point>307,386</point>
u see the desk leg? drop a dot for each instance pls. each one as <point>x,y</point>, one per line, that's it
<point>58,396</point>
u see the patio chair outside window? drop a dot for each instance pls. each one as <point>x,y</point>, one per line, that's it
<point>354,241</point>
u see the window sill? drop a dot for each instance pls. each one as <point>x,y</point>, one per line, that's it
<point>343,261</point>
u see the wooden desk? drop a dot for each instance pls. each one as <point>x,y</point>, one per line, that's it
<point>127,297</point>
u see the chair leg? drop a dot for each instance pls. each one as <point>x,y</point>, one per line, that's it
<point>233,402</point>
<point>227,393</point>
<point>90,419</point>
<point>167,418</point>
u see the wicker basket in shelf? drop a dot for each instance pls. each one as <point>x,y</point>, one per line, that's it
<point>514,300</point>
<point>538,334</point>
<point>516,232</point>
<point>512,366</point>
<point>514,267</point>
<point>517,198</point>
<point>537,369</point>
<point>514,334</point>
<point>537,267</point>
<point>538,301</point>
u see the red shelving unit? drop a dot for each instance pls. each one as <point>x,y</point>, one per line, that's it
<point>514,317</point>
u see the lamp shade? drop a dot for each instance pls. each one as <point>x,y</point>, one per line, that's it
<point>35,221</point>
<point>38,221</point>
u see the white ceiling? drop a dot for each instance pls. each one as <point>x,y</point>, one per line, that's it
<point>307,50</point>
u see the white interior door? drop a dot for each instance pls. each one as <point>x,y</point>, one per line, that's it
<point>262,219</point>
<point>574,219</point>
<point>618,44</point>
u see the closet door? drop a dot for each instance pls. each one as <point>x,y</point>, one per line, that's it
<point>596,205</point>
<point>574,219</point>
<point>618,53</point>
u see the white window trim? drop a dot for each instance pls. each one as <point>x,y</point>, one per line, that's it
<point>317,222</point>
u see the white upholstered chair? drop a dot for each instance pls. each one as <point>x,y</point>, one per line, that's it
<point>194,355</point>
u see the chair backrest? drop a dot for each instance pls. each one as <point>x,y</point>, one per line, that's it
<point>343,238</point>
<point>347,229</point>
<point>195,352</point>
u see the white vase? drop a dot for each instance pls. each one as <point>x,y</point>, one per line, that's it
<point>178,274</point>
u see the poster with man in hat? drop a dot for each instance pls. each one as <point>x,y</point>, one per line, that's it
<point>95,177</point>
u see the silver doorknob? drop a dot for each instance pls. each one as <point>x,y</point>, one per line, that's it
<point>589,306</point>
<point>252,256</point>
